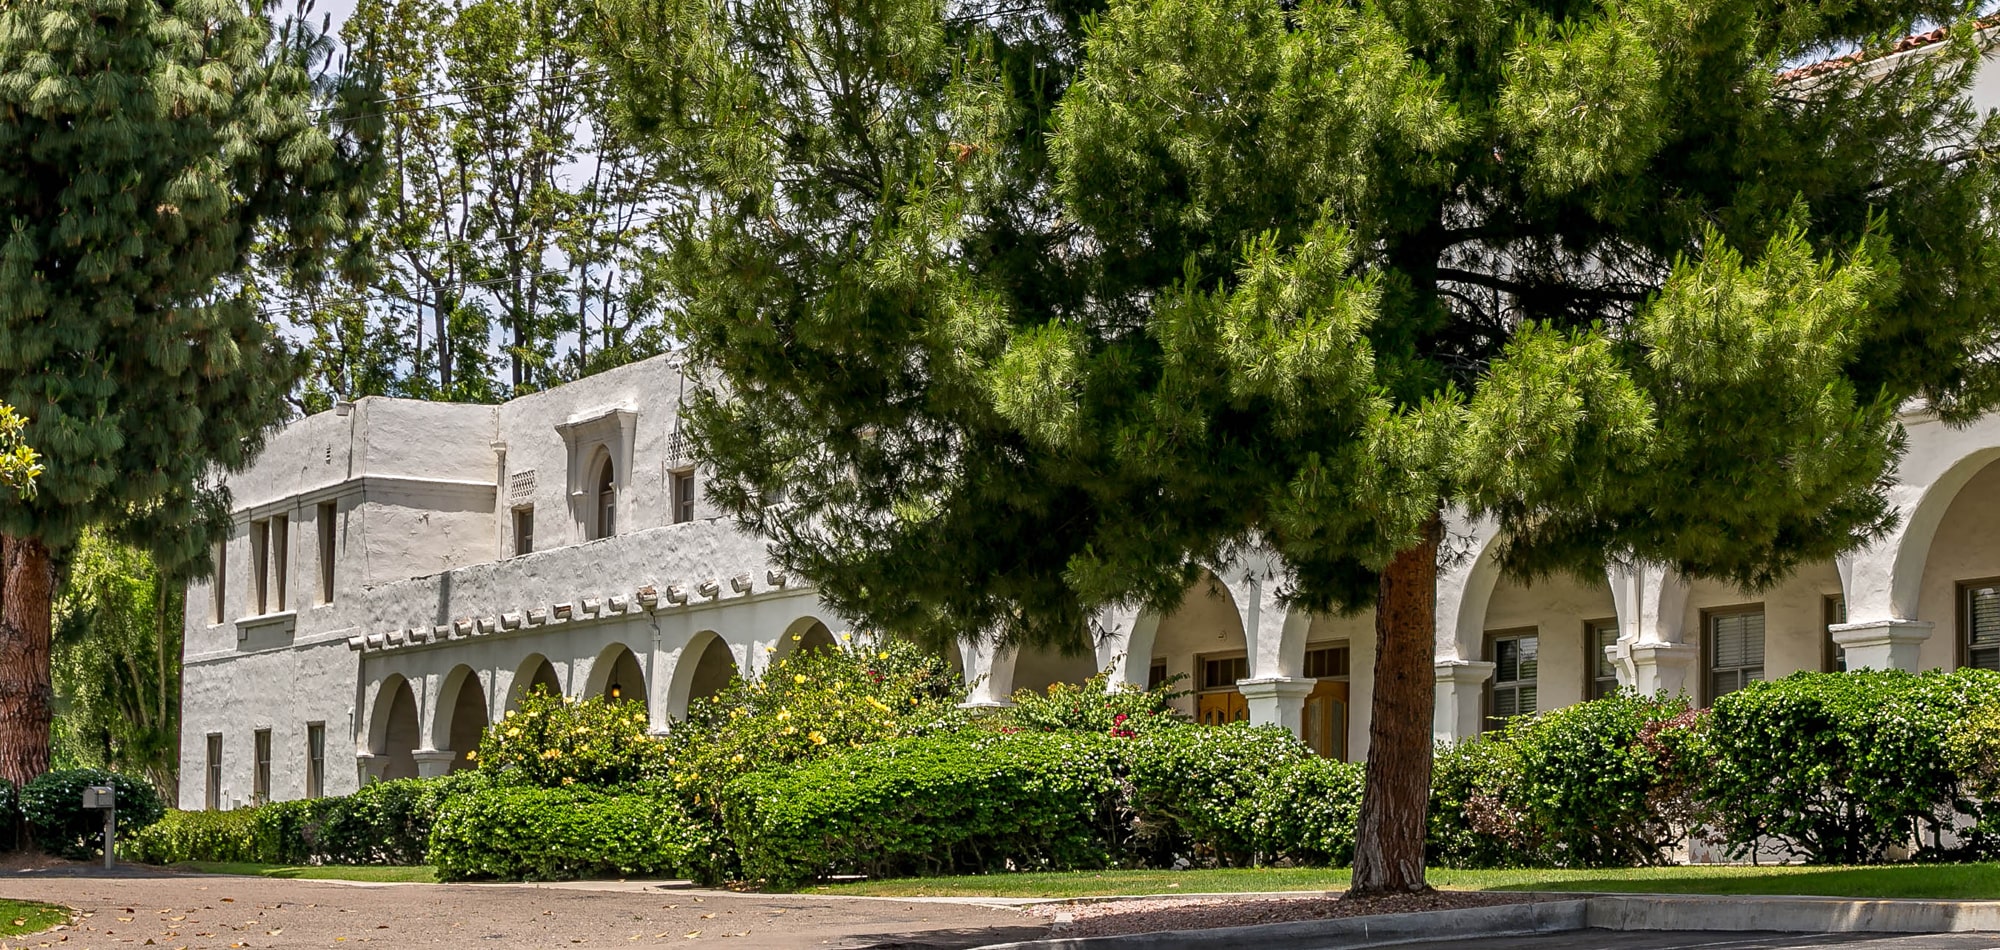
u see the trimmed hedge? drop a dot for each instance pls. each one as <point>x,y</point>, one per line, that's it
<point>204,836</point>
<point>52,803</point>
<point>1838,767</point>
<point>384,823</point>
<point>965,802</point>
<point>548,834</point>
<point>1201,790</point>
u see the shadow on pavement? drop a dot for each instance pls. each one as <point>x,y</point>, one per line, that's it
<point>963,939</point>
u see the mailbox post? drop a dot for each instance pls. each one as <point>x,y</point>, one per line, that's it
<point>104,798</point>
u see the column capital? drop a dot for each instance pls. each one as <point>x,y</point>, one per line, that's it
<point>1461,699</point>
<point>1889,644</point>
<point>1276,687</point>
<point>432,763</point>
<point>1463,672</point>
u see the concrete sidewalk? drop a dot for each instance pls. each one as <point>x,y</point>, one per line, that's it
<point>1569,913</point>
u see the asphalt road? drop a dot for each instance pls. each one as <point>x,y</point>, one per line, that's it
<point>1718,940</point>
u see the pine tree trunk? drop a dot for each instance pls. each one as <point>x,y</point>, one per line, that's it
<point>1389,843</point>
<point>27,584</point>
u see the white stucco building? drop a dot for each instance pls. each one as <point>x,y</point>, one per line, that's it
<point>400,570</point>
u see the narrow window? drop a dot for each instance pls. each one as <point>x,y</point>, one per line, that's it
<point>607,500</point>
<point>683,496</point>
<point>260,782</point>
<point>221,578</point>
<point>315,759</point>
<point>214,764</point>
<point>260,565</point>
<point>281,530</point>
<point>524,530</point>
<point>326,536</point>
<point>1223,673</point>
<point>1598,637</point>
<point>1735,651</point>
<point>1982,626</point>
<point>1326,662</point>
<point>1516,663</point>
<point>1156,674</point>
<point>1833,656</point>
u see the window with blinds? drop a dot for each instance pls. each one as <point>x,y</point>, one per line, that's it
<point>1515,665</point>
<point>1600,636</point>
<point>1982,626</point>
<point>1735,652</point>
<point>1326,662</point>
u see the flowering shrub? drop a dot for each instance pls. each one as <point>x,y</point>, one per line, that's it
<point>808,704</point>
<point>552,741</point>
<point>1123,711</point>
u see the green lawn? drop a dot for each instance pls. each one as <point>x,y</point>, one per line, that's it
<point>328,872</point>
<point>1952,881</point>
<point>26,917</point>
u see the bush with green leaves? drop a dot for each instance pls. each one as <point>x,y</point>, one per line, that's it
<point>811,703</point>
<point>385,823</point>
<point>52,804</point>
<point>1972,752</point>
<point>972,801</point>
<point>234,835</point>
<point>551,741</point>
<point>1601,783</point>
<point>1197,790</point>
<point>1838,767</point>
<point>1307,812</point>
<point>1468,823</point>
<point>546,834</point>
<point>10,816</point>
<point>1121,710</point>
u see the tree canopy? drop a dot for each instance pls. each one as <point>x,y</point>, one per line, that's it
<point>150,155</point>
<point>1015,311</point>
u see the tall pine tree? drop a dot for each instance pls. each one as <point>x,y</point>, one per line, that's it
<point>1031,308</point>
<point>148,152</point>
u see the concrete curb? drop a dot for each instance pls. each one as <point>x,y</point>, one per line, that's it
<point>1794,914</point>
<point>1565,913</point>
<point>1343,933</point>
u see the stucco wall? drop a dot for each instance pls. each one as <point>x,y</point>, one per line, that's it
<point>1556,608</point>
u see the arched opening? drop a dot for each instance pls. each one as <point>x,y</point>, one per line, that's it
<point>1959,591</point>
<point>805,633</point>
<point>536,673</point>
<point>1546,642</point>
<point>604,498</point>
<point>465,704</point>
<point>395,733</point>
<point>1040,669</point>
<point>1202,642</point>
<point>617,676</point>
<point>704,667</point>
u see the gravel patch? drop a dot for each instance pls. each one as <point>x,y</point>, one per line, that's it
<point>1149,915</point>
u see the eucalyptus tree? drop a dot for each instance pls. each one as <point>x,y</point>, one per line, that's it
<point>1030,308</point>
<point>149,155</point>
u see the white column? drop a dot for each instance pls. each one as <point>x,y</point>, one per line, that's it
<point>432,763</point>
<point>1652,654</point>
<point>989,670</point>
<point>1461,699</point>
<point>1277,701</point>
<point>369,766</point>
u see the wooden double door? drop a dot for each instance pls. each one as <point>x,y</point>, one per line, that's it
<point>1325,717</point>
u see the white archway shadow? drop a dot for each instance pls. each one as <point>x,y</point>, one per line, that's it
<point>460,716</point>
<point>394,727</point>
<point>617,669</point>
